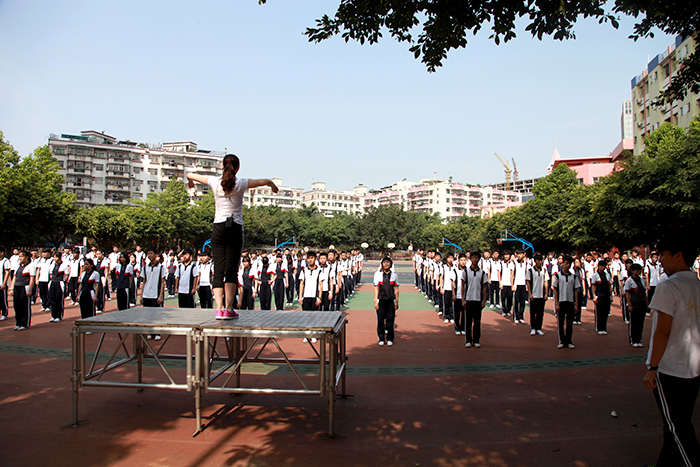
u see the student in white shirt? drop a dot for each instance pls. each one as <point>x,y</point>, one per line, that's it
<point>447,288</point>
<point>537,287</point>
<point>602,288</point>
<point>673,362</point>
<point>494,280</point>
<point>22,284</point>
<point>567,287</point>
<point>520,282</point>
<point>123,273</point>
<point>75,265</point>
<point>652,271</point>
<point>87,293</point>
<point>206,268</point>
<point>458,271</point>
<point>113,263</point>
<point>310,284</point>
<point>474,300</point>
<point>153,283</point>
<point>186,280</point>
<point>4,283</point>
<point>386,301</point>
<point>505,280</point>
<point>57,283</point>
<point>43,271</point>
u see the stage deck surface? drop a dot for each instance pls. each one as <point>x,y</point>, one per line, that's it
<point>268,320</point>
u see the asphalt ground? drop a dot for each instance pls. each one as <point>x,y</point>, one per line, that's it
<point>426,401</point>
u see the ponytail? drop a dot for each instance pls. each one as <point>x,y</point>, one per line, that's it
<point>228,179</point>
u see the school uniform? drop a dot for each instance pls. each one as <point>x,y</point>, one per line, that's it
<point>265,291</point>
<point>520,282</point>
<point>567,285</point>
<point>386,309</point>
<point>87,293</point>
<point>654,270</point>
<point>474,280</point>
<point>549,265</point>
<point>448,280</point>
<point>589,268</point>
<point>246,282</point>
<point>44,265</point>
<point>113,263</point>
<point>291,281</point>
<point>495,284</point>
<point>57,285</point>
<point>152,276</point>
<point>417,261</point>
<point>171,266</point>
<point>21,295</point>
<point>311,278</point>
<point>204,291</point>
<point>624,275</point>
<point>186,274</point>
<point>539,281</point>
<point>14,264</point>
<point>123,273</point>
<point>458,306</point>
<point>638,308</point>
<point>507,271</point>
<point>602,283</point>
<point>325,275</point>
<point>278,288</point>
<point>102,286</point>
<point>4,274</point>
<point>332,280</point>
<point>74,265</point>
<point>134,282</point>
<point>440,305</point>
<point>582,297</point>
<point>615,268</point>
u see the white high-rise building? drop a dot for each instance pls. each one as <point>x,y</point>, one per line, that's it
<point>101,170</point>
<point>627,119</point>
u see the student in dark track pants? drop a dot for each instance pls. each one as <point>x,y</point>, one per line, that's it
<point>246,282</point>
<point>123,272</point>
<point>567,287</point>
<point>537,288</point>
<point>459,271</point>
<point>57,285</point>
<point>505,280</point>
<point>634,290</point>
<point>87,295</point>
<point>206,299</point>
<point>291,273</point>
<point>75,265</point>
<point>153,276</point>
<point>601,281</point>
<point>5,282</point>
<point>326,282</point>
<point>474,300</point>
<point>267,276</point>
<point>448,284</point>
<point>386,301</point>
<point>186,280</point>
<point>279,287</point>
<point>309,287</point>
<point>102,268</point>
<point>21,286</point>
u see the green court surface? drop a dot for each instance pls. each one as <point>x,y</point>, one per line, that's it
<point>408,301</point>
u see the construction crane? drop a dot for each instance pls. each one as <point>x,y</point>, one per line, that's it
<point>506,169</point>
<point>515,171</point>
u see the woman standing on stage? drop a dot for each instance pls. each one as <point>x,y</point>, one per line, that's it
<point>227,230</point>
<point>87,297</point>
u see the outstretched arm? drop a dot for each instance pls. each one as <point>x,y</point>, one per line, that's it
<point>199,178</point>
<point>256,182</point>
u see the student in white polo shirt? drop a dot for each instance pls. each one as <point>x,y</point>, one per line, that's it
<point>652,271</point>
<point>75,265</point>
<point>448,281</point>
<point>505,280</point>
<point>43,272</point>
<point>458,271</point>
<point>153,277</point>
<point>386,301</point>
<point>494,280</point>
<point>673,362</point>
<point>21,287</point>
<point>4,283</point>
<point>474,300</point>
<point>310,284</point>
<point>520,284</point>
<point>186,280</point>
<point>206,268</point>
<point>537,288</point>
<point>567,287</point>
<point>602,288</point>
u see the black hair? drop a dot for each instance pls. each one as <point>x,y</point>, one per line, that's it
<point>90,262</point>
<point>568,258</point>
<point>186,251</point>
<point>151,248</point>
<point>322,253</point>
<point>636,267</point>
<point>474,253</point>
<point>538,256</point>
<point>311,254</point>
<point>683,243</point>
<point>265,261</point>
<point>228,179</point>
<point>461,255</point>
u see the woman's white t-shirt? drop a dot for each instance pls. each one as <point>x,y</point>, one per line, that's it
<point>228,205</point>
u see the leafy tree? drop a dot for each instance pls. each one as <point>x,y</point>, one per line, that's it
<point>33,208</point>
<point>445,24</point>
<point>104,225</point>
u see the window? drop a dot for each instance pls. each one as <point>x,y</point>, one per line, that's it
<point>60,164</point>
<point>580,181</point>
<point>59,150</point>
<point>99,167</point>
<point>595,179</point>
<point>153,172</point>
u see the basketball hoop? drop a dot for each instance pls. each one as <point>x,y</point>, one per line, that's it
<point>499,241</point>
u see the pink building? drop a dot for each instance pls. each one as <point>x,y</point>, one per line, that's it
<point>590,169</point>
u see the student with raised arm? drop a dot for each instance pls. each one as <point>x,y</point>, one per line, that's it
<point>227,229</point>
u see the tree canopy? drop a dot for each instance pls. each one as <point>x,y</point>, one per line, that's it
<point>434,27</point>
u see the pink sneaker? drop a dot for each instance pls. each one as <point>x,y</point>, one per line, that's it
<point>226,314</point>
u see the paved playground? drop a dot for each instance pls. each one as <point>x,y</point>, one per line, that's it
<point>426,401</point>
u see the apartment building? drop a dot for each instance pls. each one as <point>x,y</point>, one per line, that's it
<point>332,202</point>
<point>521,186</point>
<point>102,170</point>
<point>449,200</point>
<point>287,197</point>
<point>647,86</point>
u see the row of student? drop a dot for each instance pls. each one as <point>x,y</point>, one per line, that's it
<point>444,284</point>
<point>337,273</point>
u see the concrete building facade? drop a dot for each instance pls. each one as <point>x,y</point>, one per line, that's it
<point>647,86</point>
<point>332,202</point>
<point>102,170</point>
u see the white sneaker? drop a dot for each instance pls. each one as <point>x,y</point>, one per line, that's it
<point>99,312</point>
<point>503,314</point>
<point>571,346</point>
<point>16,328</point>
<point>457,333</point>
<point>314,340</point>
<point>600,333</point>
<point>389,343</point>
<point>51,320</point>
<point>452,321</point>
<point>540,333</point>
<point>522,321</point>
<point>305,340</point>
<point>560,346</point>
<point>627,322</point>
<point>57,320</point>
<point>157,337</point>
<point>445,320</point>
<point>438,307</point>
<point>3,318</point>
<point>533,332</point>
<point>74,303</point>
<point>380,343</point>
<point>477,345</point>
<point>468,345</point>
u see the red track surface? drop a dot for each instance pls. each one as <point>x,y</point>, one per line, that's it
<point>532,418</point>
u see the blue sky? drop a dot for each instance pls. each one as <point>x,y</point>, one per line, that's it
<point>237,75</point>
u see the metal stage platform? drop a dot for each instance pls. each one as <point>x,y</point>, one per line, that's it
<point>215,351</point>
